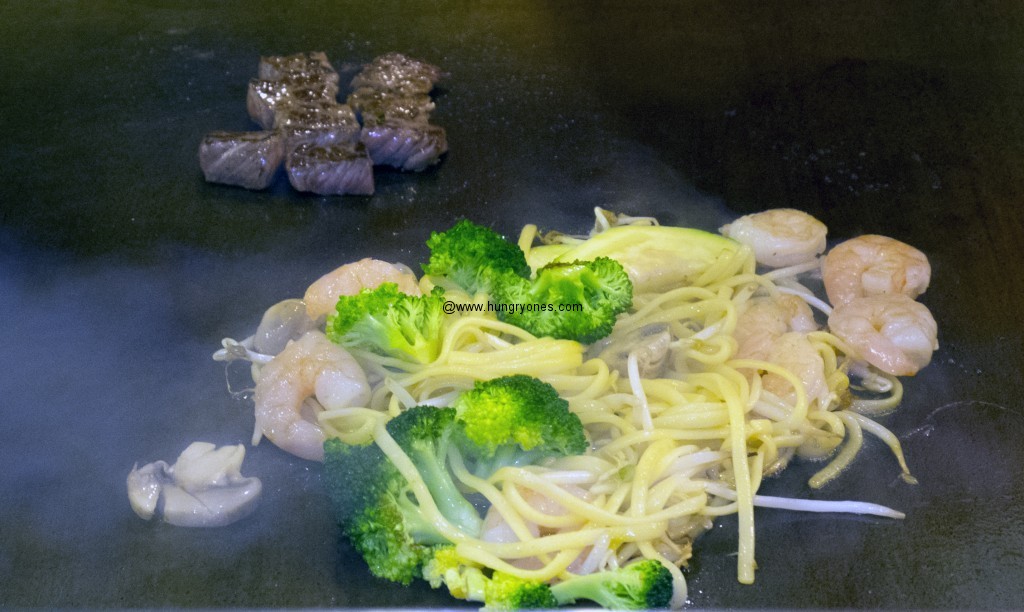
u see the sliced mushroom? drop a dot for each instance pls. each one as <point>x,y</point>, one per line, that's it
<point>650,344</point>
<point>204,487</point>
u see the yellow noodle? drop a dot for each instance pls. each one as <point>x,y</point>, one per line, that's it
<point>582,508</point>
<point>578,540</point>
<point>854,440</point>
<point>494,496</point>
<point>353,426</point>
<point>550,570</point>
<point>526,236</point>
<point>634,494</point>
<point>744,491</point>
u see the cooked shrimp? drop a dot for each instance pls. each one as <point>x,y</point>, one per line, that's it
<point>310,367</point>
<point>766,319</point>
<point>795,352</point>
<point>350,279</point>
<point>779,237</point>
<point>891,332</point>
<point>874,265</point>
<point>774,329</point>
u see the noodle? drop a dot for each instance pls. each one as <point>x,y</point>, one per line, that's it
<point>676,439</point>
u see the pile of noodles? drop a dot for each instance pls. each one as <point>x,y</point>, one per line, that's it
<point>668,454</point>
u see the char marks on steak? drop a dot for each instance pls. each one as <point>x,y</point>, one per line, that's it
<point>397,72</point>
<point>391,95</point>
<point>408,145</point>
<point>246,159</point>
<point>330,169</point>
<point>329,147</point>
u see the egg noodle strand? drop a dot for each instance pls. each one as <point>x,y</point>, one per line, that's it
<point>681,431</point>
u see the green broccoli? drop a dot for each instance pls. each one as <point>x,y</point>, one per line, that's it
<point>498,591</point>
<point>390,323</point>
<point>474,257</point>
<point>507,592</point>
<point>515,420</point>
<point>479,259</point>
<point>464,578</point>
<point>424,433</point>
<point>599,289</point>
<point>506,421</point>
<point>375,504</point>
<point>642,585</point>
<point>645,584</point>
<point>372,503</point>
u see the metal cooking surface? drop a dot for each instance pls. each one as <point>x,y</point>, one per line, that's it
<point>121,270</point>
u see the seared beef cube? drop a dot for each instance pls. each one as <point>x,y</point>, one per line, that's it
<point>331,170</point>
<point>375,106</point>
<point>322,123</point>
<point>265,97</point>
<point>396,72</point>
<point>391,97</point>
<point>315,64</point>
<point>409,145</point>
<point>248,159</point>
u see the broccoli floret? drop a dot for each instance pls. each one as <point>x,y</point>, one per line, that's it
<point>474,257</point>
<point>506,421</point>
<point>642,585</point>
<point>472,582</point>
<point>507,592</point>
<point>515,420</point>
<point>372,503</point>
<point>464,578</point>
<point>572,301</point>
<point>375,505</point>
<point>424,432</point>
<point>390,323</point>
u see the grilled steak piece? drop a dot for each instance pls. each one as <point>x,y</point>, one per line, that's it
<point>327,147</point>
<point>313,64</point>
<point>376,106</point>
<point>247,159</point>
<point>266,97</point>
<point>323,123</point>
<point>409,145</point>
<point>392,98</point>
<point>396,72</point>
<point>330,170</point>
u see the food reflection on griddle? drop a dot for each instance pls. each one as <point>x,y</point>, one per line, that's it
<point>328,147</point>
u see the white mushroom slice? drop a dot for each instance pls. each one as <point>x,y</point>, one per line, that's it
<point>214,507</point>
<point>145,485</point>
<point>204,487</point>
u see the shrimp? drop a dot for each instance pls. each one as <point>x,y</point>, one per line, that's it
<point>310,367</point>
<point>774,330</point>
<point>368,273</point>
<point>795,352</point>
<point>779,237</point>
<point>874,265</point>
<point>768,318</point>
<point>894,333</point>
